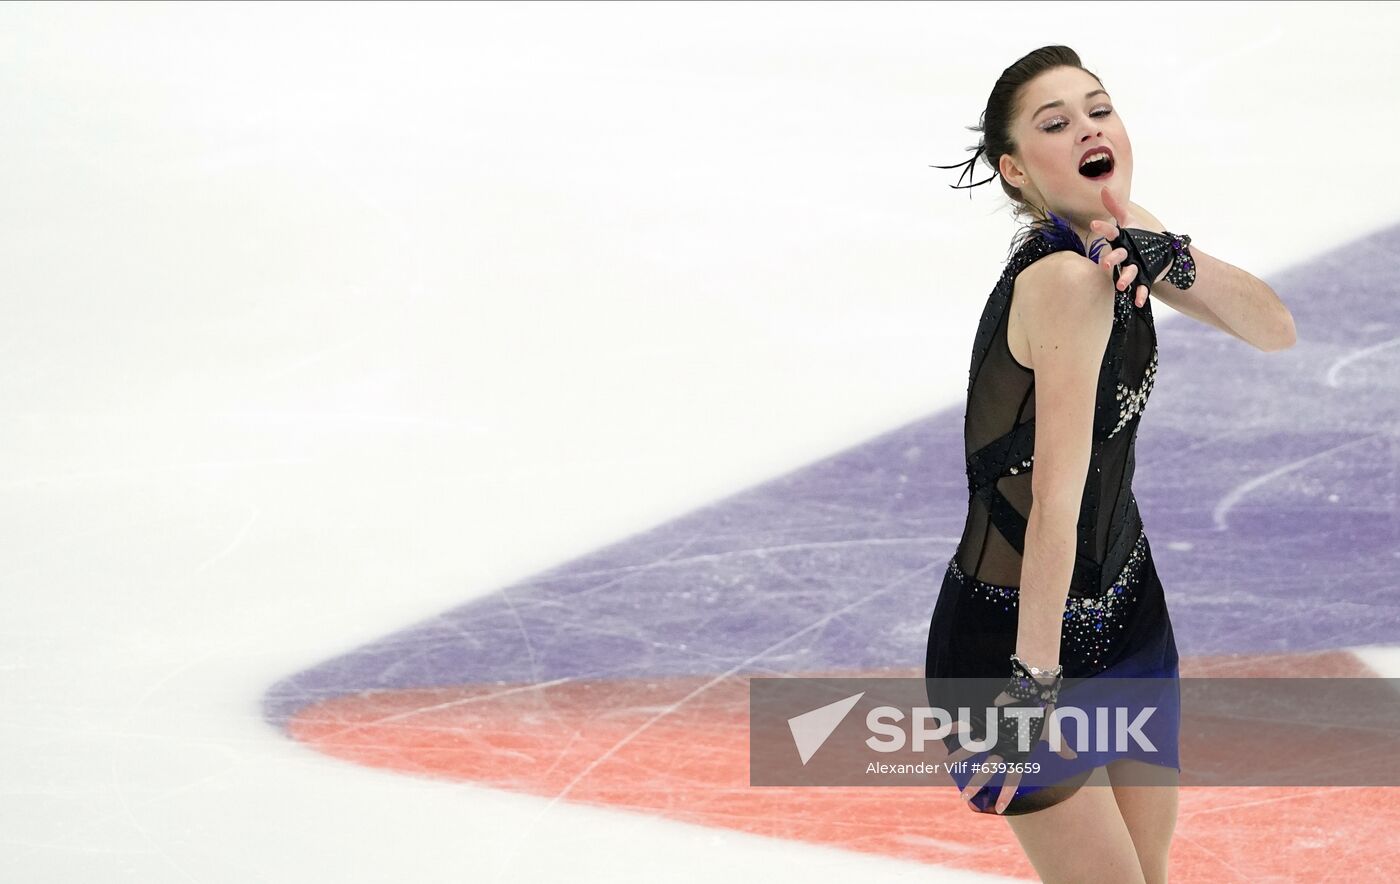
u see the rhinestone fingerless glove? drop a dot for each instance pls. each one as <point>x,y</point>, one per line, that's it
<point>1152,253</point>
<point>1027,692</point>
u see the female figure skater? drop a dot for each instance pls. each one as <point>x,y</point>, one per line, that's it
<point>1053,577</point>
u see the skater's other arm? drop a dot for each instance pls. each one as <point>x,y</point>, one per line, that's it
<point>1233,300</point>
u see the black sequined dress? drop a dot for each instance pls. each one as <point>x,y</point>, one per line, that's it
<point>1115,620</point>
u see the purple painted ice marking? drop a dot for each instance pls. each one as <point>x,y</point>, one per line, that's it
<point>1267,484</point>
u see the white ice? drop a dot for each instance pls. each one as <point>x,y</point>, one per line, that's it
<point>319,319</point>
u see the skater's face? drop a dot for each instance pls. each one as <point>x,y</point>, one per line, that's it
<point>1051,142</point>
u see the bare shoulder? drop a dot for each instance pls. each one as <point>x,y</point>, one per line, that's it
<point>1063,308</point>
<point>1058,272</point>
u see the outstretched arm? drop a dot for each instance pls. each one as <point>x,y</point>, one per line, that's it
<point>1233,300</point>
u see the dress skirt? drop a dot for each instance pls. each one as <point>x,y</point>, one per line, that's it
<point>1125,634</point>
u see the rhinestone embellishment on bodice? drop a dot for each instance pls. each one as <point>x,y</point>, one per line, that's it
<point>1090,623</point>
<point>1131,402</point>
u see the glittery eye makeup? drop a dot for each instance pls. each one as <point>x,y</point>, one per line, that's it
<point>1059,122</point>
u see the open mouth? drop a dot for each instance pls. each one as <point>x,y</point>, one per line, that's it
<point>1099,165</point>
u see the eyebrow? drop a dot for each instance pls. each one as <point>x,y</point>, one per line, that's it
<point>1057,102</point>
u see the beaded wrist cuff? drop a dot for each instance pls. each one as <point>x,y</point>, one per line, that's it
<point>1183,271</point>
<point>1036,670</point>
<point>1025,686</point>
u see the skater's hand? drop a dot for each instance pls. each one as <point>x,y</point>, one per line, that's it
<point>1012,778</point>
<point>1123,216</point>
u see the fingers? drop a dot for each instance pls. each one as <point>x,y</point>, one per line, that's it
<point>1126,277</point>
<point>978,780</point>
<point>1104,229</point>
<point>1110,258</point>
<point>1008,791</point>
<point>1065,751</point>
<point>1111,203</point>
<point>1008,787</point>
